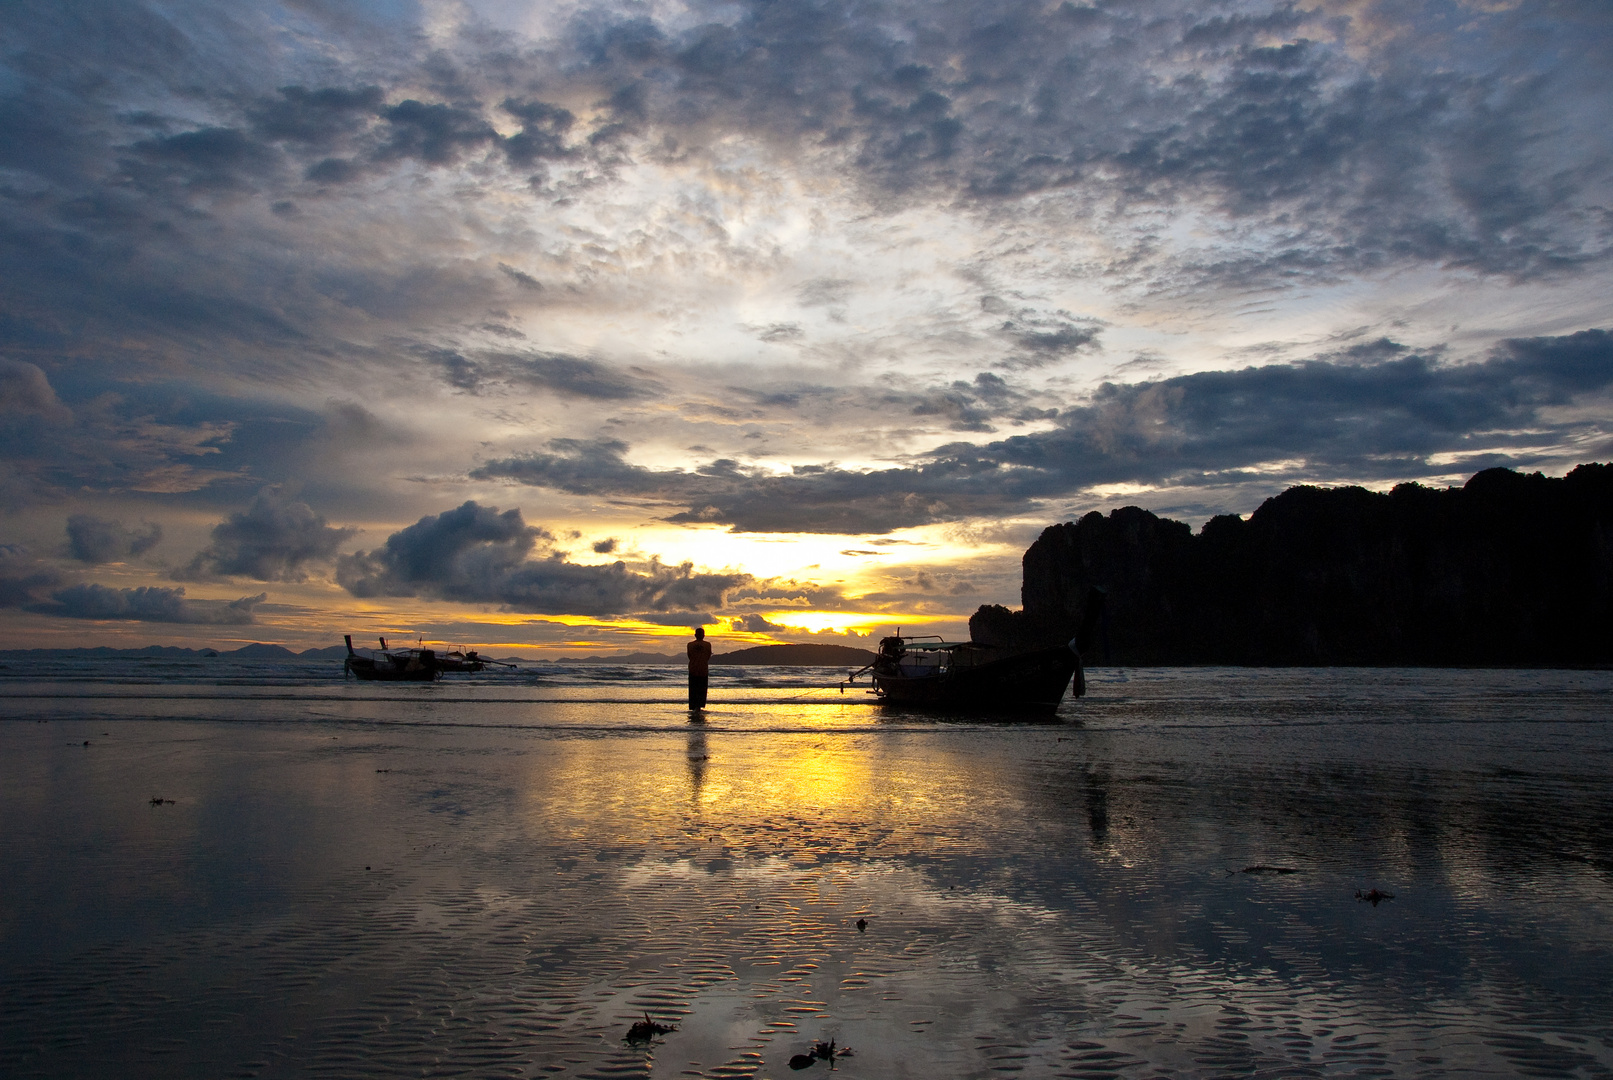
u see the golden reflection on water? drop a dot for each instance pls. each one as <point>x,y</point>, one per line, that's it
<point>698,754</point>
<point>638,783</point>
<point>382,900</point>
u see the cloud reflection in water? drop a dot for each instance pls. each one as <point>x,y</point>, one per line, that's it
<point>1048,898</point>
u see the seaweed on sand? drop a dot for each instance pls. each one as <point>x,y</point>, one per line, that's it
<point>646,1029</point>
<point>821,1051</point>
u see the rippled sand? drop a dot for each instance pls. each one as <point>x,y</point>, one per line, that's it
<point>499,879</point>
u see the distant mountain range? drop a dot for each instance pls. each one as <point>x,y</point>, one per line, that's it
<point>626,659</point>
<point>807,655</point>
<point>255,651</point>
<point>778,655</point>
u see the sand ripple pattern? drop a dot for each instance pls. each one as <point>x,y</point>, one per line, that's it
<point>354,899</point>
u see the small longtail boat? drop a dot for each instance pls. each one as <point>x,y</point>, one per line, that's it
<point>383,665</point>
<point>931,673</point>
<point>926,672</point>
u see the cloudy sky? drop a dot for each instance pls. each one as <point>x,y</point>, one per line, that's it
<point>566,326</point>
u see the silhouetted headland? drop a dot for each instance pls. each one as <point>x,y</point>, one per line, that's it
<point>1508,570</point>
<point>805,654</point>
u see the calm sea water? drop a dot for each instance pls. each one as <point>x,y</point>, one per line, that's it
<point>215,868</point>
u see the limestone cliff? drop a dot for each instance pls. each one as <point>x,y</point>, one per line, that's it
<point>1509,569</point>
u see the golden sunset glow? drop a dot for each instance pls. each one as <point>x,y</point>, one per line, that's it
<point>593,346</point>
<point>841,622</point>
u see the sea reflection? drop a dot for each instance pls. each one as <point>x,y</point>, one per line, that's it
<point>1165,888</point>
<point>698,756</point>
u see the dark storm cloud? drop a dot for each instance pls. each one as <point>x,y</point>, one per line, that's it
<point>273,539</point>
<point>314,118</point>
<point>583,467</point>
<point>478,554</point>
<point>29,584</point>
<point>341,134</point>
<point>348,424</point>
<point>1040,337</point>
<point>835,500</point>
<point>542,135</point>
<point>559,373</point>
<point>143,148</point>
<point>299,124</point>
<point>1379,418</point>
<point>1411,157</point>
<point>755,624</point>
<point>965,405</point>
<point>1375,418</point>
<point>972,406</point>
<point>207,158</point>
<point>460,371</point>
<point>571,376</point>
<point>102,441</point>
<point>95,540</point>
<point>435,134</point>
<point>520,277</point>
<point>25,391</point>
<point>23,577</point>
<point>819,499</point>
<point>678,618</point>
<point>146,604</point>
<point>467,544</point>
<point>129,131</point>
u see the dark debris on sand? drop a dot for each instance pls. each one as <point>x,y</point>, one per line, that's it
<point>646,1029</point>
<point>1373,896</point>
<point>1262,868</point>
<point>822,1051</point>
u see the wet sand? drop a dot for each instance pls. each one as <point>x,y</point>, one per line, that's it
<point>401,891</point>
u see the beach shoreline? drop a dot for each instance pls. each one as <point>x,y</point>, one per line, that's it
<point>1101,897</point>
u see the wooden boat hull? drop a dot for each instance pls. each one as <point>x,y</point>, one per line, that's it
<point>1030,681</point>
<point>370,671</point>
<point>404,666</point>
<point>452,663</point>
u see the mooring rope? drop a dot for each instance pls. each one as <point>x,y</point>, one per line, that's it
<point>814,690</point>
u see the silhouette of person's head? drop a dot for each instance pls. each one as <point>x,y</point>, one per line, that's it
<point>700,632</point>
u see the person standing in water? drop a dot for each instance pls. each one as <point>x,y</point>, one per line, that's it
<point>699,659</point>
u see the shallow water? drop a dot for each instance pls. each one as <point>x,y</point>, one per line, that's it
<point>496,877</point>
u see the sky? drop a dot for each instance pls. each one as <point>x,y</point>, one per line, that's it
<point>562,328</point>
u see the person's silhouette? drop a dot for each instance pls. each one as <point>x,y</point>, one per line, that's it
<point>699,672</point>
